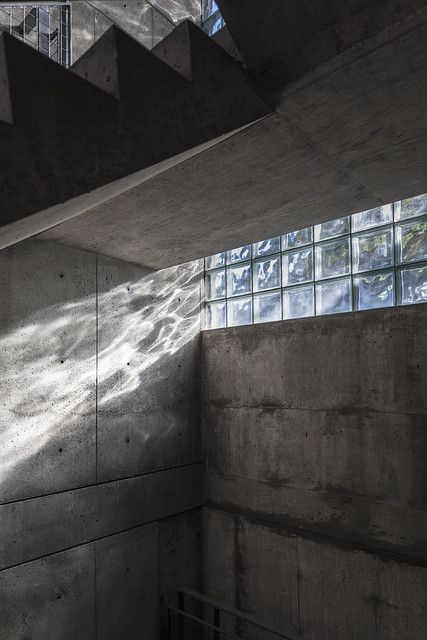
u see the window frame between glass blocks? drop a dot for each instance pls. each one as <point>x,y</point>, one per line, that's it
<point>391,226</point>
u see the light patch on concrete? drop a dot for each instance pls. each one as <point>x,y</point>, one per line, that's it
<point>49,360</point>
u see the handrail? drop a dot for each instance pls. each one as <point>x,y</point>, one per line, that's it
<point>206,625</point>
<point>240,615</point>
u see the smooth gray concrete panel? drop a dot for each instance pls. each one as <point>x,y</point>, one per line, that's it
<point>148,373</point>
<point>136,17</point>
<point>356,362</point>
<point>48,369</point>
<point>178,10</point>
<point>180,559</point>
<point>380,456</point>
<point>33,528</point>
<point>319,424</point>
<point>220,574</point>
<point>161,27</point>
<point>250,181</point>
<point>50,599</point>
<point>351,133</point>
<point>91,19</point>
<point>268,578</point>
<point>361,596</point>
<point>83,28</point>
<point>127,585</point>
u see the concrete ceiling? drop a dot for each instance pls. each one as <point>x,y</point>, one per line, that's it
<point>347,137</point>
<point>282,40</point>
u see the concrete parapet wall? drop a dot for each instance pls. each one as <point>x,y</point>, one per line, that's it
<point>315,443</point>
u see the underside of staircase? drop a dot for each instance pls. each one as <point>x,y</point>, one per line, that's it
<point>164,156</point>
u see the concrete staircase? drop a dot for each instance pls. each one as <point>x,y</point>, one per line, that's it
<point>164,156</point>
<point>120,109</point>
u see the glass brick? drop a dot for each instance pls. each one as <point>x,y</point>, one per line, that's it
<point>410,207</point>
<point>297,266</point>
<point>215,315</point>
<point>338,227</point>
<point>239,311</point>
<point>297,238</point>
<point>215,261</point>
<point>373,250</point>
<point>267,273</point>
<point>372,218</point>
<point>240,254</point>
<point>267,307</point>
<point>413,285</point>
<point>333,258</point>
<point>373,291</point>
<point>265,247</point>
<point>215,284</point>
<point>298,302</point>
<point>239,280</point>
<point>333,296</point>
<point>412,241</point>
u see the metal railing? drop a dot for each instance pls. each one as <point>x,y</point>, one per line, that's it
<point>46,26</point>
<point>198,617</point>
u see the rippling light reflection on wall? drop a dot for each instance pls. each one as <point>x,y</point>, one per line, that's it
<point>49,361</point>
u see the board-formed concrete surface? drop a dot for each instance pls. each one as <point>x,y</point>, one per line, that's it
<point>107,589</point>
<point>315,446</point>
<point>99,442</point>
<point>310,587</point>
<point>342,401</point>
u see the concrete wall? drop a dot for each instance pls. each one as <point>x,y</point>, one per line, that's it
<point>315,443</point>
<point>100,475</point>
<point>148,22</point>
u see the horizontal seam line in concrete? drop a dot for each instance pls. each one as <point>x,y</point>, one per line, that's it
<point>284,407</point>
<point>98,484</point>
<point>315,535</point>
<point>109,535</point>
<point>320,490</point>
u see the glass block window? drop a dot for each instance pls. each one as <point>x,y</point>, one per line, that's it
<point>45,26</point>
<point>375,258</point>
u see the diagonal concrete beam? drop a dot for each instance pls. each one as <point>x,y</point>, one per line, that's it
<point>43,220</point>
